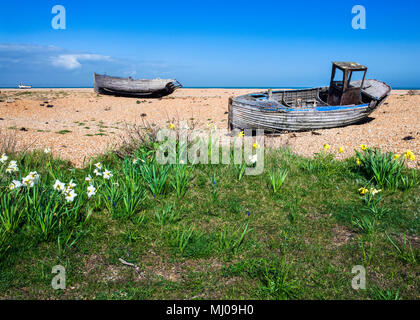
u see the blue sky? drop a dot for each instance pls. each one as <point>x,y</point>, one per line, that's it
<point>208,43</point>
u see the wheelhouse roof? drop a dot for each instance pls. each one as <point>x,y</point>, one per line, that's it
<point>353,66</point>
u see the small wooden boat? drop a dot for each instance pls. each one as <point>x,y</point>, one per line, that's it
<point>22,86</point>
<point>132,87</point>
<point>344,102</point>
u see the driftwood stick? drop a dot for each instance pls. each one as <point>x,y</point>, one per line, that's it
<point>128,263</point>
<point>136,267</point>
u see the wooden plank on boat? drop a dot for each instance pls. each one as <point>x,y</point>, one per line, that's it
<point>283,112</point>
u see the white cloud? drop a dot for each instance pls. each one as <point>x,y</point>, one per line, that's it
<point>48,65</point>
<point>73,61</point>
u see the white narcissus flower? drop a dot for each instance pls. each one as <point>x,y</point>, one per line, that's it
<point>107,174</point>
<point>34,175</point>
<point>135,161</point>
<point>91,191</point>
<point>59,186</point>
<point>3,158</point>
<point>47,150</point>
<point>89,179</point>
<point>253,159</point>
<point>28,181</point>
<point>71,185</point>
<point>98,165</point>
<point>70,195</point>
<point>15,184</point>
<point>12,167</point>
<point>374,191</point>
<point>97,172</point>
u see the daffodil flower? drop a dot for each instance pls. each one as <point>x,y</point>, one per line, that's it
<point>326,146</point>
<point>47,150</point>
<point>89,179</point>
<point>253,159</point>
<point>58,185</point>
<point>409,155</point>
<point>363,191</point>
<point>373,191</point>
<point>397,156</point>
<point>98,165</point>
<point>358,162</point>
<point>171,126</point>
<point>241,134</point>
<point>71,185</point>
<point>107,174</point>
<point>70,195</point>
<point>34,175</point>
<point>28,181</point>
<point>12,167</point>
<point>341,150</point>
<point>255,146</point>
<point>15,184</point>
<point>97,172</point>
<point>91,191</point>
<point>3,158</point>
<point>363,147</point>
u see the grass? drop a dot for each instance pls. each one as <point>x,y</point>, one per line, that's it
<point>198,231</point>
<point>63,131</point>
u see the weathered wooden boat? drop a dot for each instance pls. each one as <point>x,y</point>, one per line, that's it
<point>134,87</point>
<point>342,103</point>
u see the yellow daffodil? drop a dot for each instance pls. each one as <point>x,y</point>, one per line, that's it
<point>358,162</point>
<point>255,145</point>
<point>397,156</point>
<point>171,126</point>
<point>326,146</point>
<point>363,191</point>
<point>241,134</point>
<point>341,150</point>
<point>409,155</point>
<point>363,147</point>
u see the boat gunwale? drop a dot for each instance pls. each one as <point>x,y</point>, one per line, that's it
<point>133,79</point>
<point>279,107</point>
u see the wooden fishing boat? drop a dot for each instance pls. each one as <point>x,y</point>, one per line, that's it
<point>342,103</point>
<point>134,87</point>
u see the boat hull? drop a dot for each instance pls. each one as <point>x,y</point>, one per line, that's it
<point>134,88</point>
<point>272,115</point>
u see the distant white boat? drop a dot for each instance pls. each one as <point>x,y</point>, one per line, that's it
<point>22,86</point>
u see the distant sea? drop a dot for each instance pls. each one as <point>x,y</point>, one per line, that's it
<point>263,88</point>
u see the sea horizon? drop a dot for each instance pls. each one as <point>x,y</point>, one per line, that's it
<point>215,87</point>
